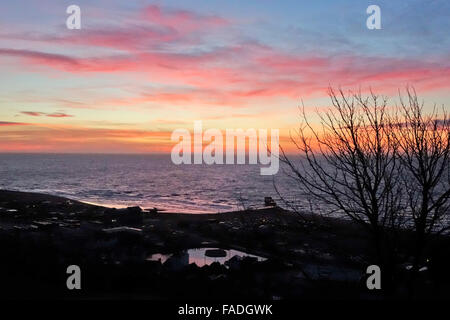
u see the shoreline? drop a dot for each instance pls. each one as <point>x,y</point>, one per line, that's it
<point>116,205</point>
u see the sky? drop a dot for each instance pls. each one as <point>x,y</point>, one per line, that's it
<point>139,69</point>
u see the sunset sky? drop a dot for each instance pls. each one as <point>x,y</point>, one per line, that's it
<point>137,70</point>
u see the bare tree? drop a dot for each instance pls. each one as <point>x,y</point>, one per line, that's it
<point>424,151</point>
<point>386,168</point>
<point>351,164</point>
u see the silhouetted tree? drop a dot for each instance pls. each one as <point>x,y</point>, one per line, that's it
<point>386,168</point>
<point>424,151</point>
<point>350,163</point>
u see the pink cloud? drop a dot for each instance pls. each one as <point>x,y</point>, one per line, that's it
<point>226,75</point>
<point>232,75</point>
<point>126,38</point>
<point>32,113</point>
<point>44,58</point>
<point>51,115</point>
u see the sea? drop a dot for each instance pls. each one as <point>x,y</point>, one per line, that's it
<point>148,181</point>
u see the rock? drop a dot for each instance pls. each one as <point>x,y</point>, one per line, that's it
<point>136,209</point>
<point>269,202</point>
<point>129,216</point>
<point>234,263</point>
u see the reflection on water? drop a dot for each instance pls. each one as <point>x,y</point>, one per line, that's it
<point>198,257</point>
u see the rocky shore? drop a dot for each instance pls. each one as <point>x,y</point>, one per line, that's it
<point>145,254</point>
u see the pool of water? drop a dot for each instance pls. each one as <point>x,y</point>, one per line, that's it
<point>198,256</point>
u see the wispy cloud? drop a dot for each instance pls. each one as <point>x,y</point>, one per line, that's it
<point>259,73</point>
<point>150,27</point>
<point>8,124</point>
<point>51,115</point>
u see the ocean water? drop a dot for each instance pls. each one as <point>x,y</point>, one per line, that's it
<point>145,180</point>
